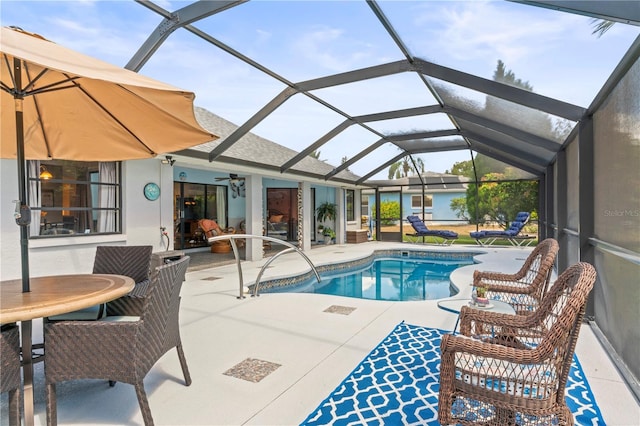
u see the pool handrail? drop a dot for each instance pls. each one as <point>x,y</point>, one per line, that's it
<point>234,247</point>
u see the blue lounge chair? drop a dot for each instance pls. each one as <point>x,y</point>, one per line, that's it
<point>438,236</point>
<point>513,235</point>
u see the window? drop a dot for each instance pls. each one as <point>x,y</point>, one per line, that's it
<point>74,197</point>
<point>364,203</point>
<point>351,206</point>
<point>416,204</point>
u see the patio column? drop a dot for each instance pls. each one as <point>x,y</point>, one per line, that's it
<point>253,213</point>
<point>341,229</point>
<point>306,214</point>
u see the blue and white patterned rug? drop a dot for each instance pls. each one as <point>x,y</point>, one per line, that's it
<point>398,382</point>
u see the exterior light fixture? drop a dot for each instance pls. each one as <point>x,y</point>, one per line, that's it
<point>45,174</point>
<point>168,159</point>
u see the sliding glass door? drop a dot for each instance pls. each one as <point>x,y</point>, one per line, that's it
<point>195,201</point>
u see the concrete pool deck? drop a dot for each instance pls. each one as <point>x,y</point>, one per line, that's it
<point>315,349</point>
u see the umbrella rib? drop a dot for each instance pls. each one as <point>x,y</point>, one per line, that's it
<point>58,85</point>
<point>13,79</point>
<point>32,81</point>
<point>39,114</point>
<point>106,111</point>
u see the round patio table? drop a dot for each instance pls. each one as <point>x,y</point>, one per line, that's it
<point>455,305</point>
<point>48,296</point>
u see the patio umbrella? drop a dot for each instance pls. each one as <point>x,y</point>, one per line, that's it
<point>60,104</point>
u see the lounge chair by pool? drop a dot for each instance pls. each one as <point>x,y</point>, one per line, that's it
<point>513,235</point>
<point>442,237</point>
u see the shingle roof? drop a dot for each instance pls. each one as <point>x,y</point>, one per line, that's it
<point>255,151</point>
<point>433,181</point>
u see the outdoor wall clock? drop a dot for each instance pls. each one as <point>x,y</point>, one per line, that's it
<point>151,191</point>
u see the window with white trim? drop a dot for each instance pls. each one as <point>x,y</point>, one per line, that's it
<point>74,197</point>
<point>351,205</point>
<point>417,204</point>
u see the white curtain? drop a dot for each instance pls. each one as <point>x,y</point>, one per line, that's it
<point>107,197</point>
<point>34,196</point>
<point>221,204</point>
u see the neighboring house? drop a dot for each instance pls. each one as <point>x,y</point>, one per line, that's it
<point>158,201</point>
<point>440,189</point>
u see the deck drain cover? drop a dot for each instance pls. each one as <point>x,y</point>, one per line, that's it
<point>210,278</point>
<point>337,309</point>
<point>252,370</point>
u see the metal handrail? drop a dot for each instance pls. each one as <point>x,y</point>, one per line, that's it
<point>234,247</point>
<point>615,250</point>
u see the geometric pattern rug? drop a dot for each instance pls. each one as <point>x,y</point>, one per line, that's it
<point>398,382</point>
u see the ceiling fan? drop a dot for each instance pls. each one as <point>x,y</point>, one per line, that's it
<point>236,183</point>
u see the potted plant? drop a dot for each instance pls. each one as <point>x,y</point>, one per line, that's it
<point>481,296</point>
<point>329,234</point>
<point>326,211</point>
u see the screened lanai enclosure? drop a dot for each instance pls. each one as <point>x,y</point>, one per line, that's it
<point>403,92</point>
<point>495,95</point>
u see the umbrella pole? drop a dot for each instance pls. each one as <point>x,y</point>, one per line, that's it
<point>22,207</point>
<point>23,222</point>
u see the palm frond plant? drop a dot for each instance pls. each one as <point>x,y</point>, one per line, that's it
<point>326,211</point>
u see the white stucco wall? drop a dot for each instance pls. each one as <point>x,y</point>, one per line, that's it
<point>66,255</point>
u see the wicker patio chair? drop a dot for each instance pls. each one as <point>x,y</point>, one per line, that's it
<point>211,229</point>
<point>133,262</point>
<point>524,289</point>
<point>513,380</point>
<point>10,369</point>
<point>130,261</point>
<point>119,349</point>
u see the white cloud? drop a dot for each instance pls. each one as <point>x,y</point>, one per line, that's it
<point>332,49</point>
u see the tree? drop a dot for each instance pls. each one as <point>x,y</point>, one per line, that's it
<point>601,26</point>
<point>491,199</point>
<point>496,201</point>
<point>503,75</point>
<point>315,154</point>
<point>404,168</point>
<point>389,212</point>
<point>462,168</point>
<point>344,160</point>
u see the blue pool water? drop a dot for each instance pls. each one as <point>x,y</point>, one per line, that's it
<point>386,279</point>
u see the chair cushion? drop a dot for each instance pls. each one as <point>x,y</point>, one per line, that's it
<point>448,234</point>
<point>276,218</point>
<point>535,381</point>
<point>120,318</point>
<point>91,313</point>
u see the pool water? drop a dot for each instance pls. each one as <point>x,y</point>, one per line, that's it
<point>387,279</point>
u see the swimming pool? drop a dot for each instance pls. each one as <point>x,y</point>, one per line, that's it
<point>402,276</point>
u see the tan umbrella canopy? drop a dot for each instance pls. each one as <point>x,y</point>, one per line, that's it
<point>79,108</point>
<point>60,104</point>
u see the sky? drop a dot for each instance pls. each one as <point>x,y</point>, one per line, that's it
<point>555,52</point>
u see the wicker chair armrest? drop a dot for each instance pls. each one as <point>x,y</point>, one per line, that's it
<point>451,344</point>
<point>483,277</point>
<point>468,316</point>
<point>97,330</point>
<point>126,306</point>
<point>513,287</point>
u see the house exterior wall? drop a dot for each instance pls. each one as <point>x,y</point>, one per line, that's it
<point>141,221</point>
<point>439,211</point>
